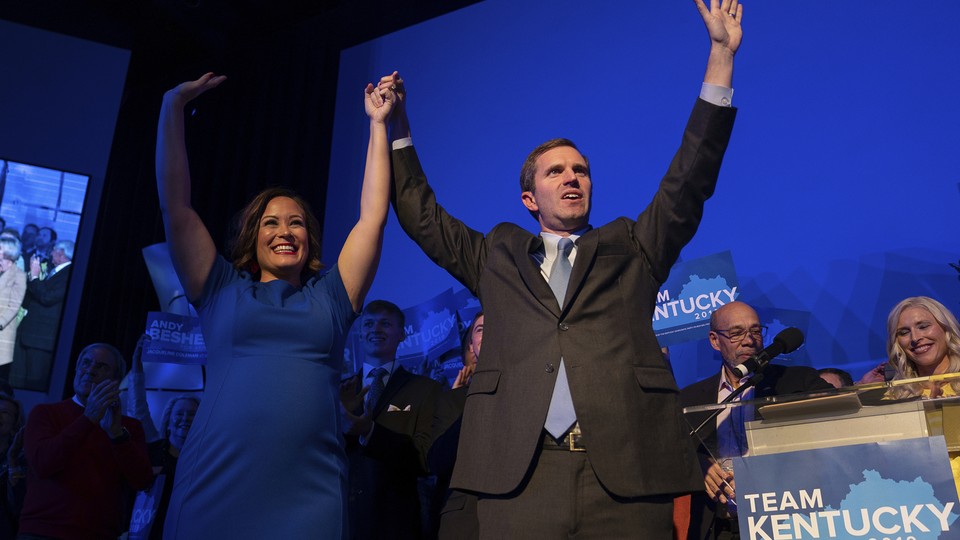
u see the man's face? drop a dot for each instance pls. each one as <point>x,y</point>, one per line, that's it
<point>29,235</point>
<point>45,236</point>
<point>476,337</point>
<point>93,367</point>
<point>58,256</point>
<point>562,189</point>
<point>381,334</point>
<point>733,319</point>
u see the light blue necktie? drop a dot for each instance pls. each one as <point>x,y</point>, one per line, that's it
<point>561,416</point>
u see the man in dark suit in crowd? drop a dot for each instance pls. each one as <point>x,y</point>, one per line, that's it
<point>85,460</point>
<point>37,334</point>
<point>388,441</point>
<point>736,333</point>
<point>572,419</point>
<point>458,509</point>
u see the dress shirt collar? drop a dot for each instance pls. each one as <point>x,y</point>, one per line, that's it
<point>390,366</point>
<point>550,242</point>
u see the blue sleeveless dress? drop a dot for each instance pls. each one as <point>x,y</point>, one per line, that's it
<point>264,457</point>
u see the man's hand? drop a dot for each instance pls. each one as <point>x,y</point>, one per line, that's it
<point>351,395</point>
<point>356,425</point>
<point>103,406</point>
<point>719,483</point>
<point>875,375</point>
<point>35,267</point>
<point>464,376</point>
<point>723,23</point>
<point>399,125</point>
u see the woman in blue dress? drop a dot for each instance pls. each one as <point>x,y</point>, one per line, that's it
<point>264,457</point>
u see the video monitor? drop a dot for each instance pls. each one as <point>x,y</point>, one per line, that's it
<point>40,213</point>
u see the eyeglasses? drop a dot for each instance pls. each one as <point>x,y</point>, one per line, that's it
<point>736,335</point>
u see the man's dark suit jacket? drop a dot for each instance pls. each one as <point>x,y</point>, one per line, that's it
<point>777,381</point>
<point>457,509</point>
<point>625,397</point>
<point>44,304</point>
<point>383,500</point>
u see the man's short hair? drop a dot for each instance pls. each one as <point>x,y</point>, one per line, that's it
<point>383,306</point>
<point>66,246</point>
<point>529,170</point>
<point>844,376</point>
<point>117,355</point>
<point>53,233</point>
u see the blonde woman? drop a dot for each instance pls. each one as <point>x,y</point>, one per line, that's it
<point>923,339</point>
<point>13,287</point>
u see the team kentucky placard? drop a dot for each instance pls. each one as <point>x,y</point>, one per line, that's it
<point>876,491</point>
<point>694,290</point>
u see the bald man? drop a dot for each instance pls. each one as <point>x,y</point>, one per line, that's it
<point>736,333</point>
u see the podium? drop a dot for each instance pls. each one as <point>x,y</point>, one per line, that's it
<point>849,463</point>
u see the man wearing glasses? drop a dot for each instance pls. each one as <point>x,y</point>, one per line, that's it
<point>736,332</point>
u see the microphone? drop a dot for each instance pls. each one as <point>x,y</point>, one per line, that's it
<point>786,341</point>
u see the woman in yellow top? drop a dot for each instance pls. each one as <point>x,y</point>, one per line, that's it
<point>923,339</point>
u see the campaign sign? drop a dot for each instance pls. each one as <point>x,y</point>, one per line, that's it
<point>432,344</point>
<point>693,291</point>
<point>174,339</point>
<point>898,490</point>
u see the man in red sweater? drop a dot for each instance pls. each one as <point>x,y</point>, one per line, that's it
<point>86,460</point>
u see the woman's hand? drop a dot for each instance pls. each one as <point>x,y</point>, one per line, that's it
<point>185,92</point>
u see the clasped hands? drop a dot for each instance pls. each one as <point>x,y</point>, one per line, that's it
<point>352,400</point>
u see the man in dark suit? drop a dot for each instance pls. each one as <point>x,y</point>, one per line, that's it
<point>37,334</point>
<point>572,419</point>
<point>458,509</point>
<point>736,333</point>
<point>387,442</point>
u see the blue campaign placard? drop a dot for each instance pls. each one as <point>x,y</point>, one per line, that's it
<point>693,291</point>
<point>174,339</point>
<point>876,491</point>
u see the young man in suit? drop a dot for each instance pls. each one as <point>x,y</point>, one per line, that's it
<point>572,421</point>
<point>736,333</point>
<point>387,442</point>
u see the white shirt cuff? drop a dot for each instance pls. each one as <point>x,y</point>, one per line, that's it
<point>718,95</point>
<point>402,143</point>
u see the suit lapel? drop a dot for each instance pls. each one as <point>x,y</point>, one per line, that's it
<point>533,279</point>
<point>396,382</point>
<point>586,253</point>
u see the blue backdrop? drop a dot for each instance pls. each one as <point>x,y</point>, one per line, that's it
<point>838,194</point>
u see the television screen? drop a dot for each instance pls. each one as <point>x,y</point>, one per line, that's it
<point>40,213</point>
